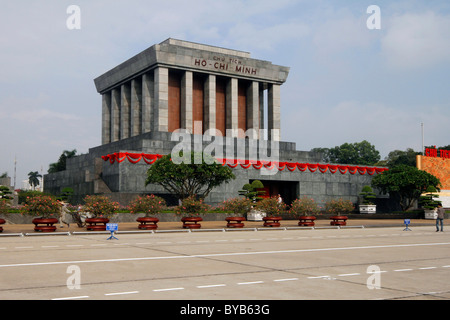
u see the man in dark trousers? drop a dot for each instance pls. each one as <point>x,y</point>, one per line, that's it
<point>440,218</point>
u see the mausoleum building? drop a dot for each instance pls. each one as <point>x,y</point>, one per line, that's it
<point>199,95</point>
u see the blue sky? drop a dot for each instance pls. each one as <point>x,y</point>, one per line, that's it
<point>346,83</point>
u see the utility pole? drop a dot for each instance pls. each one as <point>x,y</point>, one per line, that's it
<point>15,170</point>
<point>423,144</point>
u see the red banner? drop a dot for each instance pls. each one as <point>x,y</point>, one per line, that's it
<point>132,157</point>
<point>256,164</point>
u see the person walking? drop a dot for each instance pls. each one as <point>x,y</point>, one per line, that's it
<point>440,218</point>
<point>64,215</point>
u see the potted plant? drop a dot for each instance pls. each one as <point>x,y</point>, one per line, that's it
<point>339,208</point>
<point>101,209</point>
<point>3,209</point>
<point>190,209</point>
<point>305,210</point>
<point>46,209</point>
<point>368,198</point>
<point>239,207</point>
<point>5,197</point>
<point>428,203</point>
<point>149,205</point>
<point>273,209</point>
<point>253,191</point>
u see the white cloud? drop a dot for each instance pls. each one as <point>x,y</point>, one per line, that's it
<point>417,40</point>
<point>38,115</point>
<point>251,35</point>
<point>388,127</point>
<point>341,32</point>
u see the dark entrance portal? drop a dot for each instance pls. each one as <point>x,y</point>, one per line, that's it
<point>288,190</point>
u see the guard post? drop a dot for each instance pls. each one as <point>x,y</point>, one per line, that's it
<point>407,223</point>
<point>112,227</point>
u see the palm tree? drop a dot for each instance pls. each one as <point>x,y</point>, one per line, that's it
<point>33,179</point>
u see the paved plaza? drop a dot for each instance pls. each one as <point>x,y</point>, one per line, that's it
<point>363,263</point>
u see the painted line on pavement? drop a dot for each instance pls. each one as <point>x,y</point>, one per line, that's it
<point>222,254</point>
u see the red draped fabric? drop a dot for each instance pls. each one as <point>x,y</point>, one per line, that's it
<point>256,164</point>
<point>131,157</point>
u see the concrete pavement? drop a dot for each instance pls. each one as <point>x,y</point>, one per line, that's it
<point>353,263</point>
<point>132,226</point>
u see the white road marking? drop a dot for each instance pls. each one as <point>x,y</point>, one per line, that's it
<point>71,298</point>
<point>212,286</point>
<point>121,293</point>
<point>223,254</point>
<point>251,282</point>
<point>282,280</point>
<point>168,289</point>
<point>402,270</point>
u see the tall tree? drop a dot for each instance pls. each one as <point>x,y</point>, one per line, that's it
<point>188,179</point>
<point>398,157</point>
<point>405,184</point>
<point>61,164</point>
<point>358,153</point>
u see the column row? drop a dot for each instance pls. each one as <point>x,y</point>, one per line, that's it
<point>142,105</point>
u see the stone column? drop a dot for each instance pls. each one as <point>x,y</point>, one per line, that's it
<point>136,108</point>
<point>209,111</point>
<point>106,117</point>
<point>232,105</point>
<point>274,120</point>
<point>253,110</point>
<point>125,111</point>
<point>261,110</point>
<point>186,115</point>
<point>161,106</point>
<point>115,115</point>
<point>147,102</point>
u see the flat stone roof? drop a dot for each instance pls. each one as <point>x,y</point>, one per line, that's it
<point>185,55</point>
<point>206,47</point>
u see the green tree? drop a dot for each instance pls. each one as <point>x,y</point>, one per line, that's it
<point>250,191</point>
<point>33,178</point>
<point>66,194</point>
<point>405,184</point>
<point>5,193</point>
<point>61,164</point>
<point>398,157</point>
<point>188,179</point>
<point>358,153</point>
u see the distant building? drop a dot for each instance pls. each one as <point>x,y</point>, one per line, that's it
<point>6,181</point>
<point>27,186</point>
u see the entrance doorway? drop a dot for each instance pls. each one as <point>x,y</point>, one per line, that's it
<point>288,190</point>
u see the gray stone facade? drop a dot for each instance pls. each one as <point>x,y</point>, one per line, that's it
<point>135,94</point>
<point>90,174</point>
<point>172,85</point>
